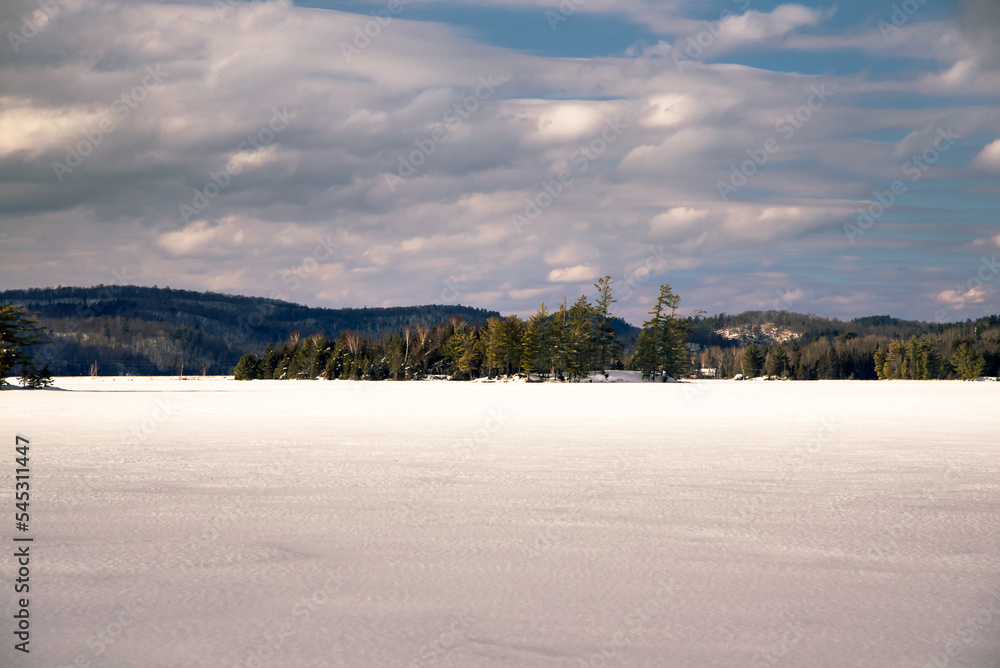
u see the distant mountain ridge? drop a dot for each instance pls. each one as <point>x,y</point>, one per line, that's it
<point>143,330</point>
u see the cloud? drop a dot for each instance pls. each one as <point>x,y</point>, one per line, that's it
<point>957,300</point>
<point>752,29</point>
<point>989,157</point>
<point>679,217</point>
<point>992,241</point>
<point>468,155</point>
<point>201,236</point>
<point>574,274</point>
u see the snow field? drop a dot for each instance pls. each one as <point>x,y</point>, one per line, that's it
<point>324,524</point>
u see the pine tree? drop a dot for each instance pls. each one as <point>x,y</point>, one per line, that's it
<point>43,377</point>
<point>269,363</point>
<point>895,360</point>
<point>605,333</point>
<point>248,368</point>
<point>664,349</point>
<point>753,361</point>
<point>646,360</point>
<point>321,355</point>
<point>778,362</point>
<point>33,378</point>
<point>968,362</point>
<point>931,360</point>
<point>879,357</point>
<point>19,331</point>
<point>580,339</point>
<point>511,341</point>
<point>469,361</point>
<point>489,342</point>
<point>535,344</point>
<point>558,341</point>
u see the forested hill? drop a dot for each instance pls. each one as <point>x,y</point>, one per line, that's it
<point>142,330</point>
<point>786,327</point>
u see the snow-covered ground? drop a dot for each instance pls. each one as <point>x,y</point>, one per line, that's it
<point>308,524</point>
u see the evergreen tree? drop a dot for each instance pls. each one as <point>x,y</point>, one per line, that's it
<point>968,362</point>
<point>269,363</point>
<point>321,354</point>
<point>895,360</point>
<point>645,359</point>
<point>664,349</point>
<point>248,368</point>
<point>535,344</point>
<point>558,341</point>
<point>605,334</point>
<point>489,342</point>
<point>33,378</point>
<point>581,338</point>
<point>778,362</point>
<point>753,361</point>
<point>511,344</point>
<point>19,331</point>
<point>880,357</point>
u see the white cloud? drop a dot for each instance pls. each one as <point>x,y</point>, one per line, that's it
<point>679,217</point>
<point>956,300</point>
<point>572,274</point>
<point>992,241</point>
<point>989,157</point>
<point>201,236</point>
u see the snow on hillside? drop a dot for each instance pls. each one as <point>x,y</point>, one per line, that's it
<point>214,523</point>
<point>767,333</point>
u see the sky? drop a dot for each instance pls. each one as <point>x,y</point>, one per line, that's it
<point>841,159</point>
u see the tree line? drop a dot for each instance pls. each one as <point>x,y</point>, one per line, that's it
<point>568,343</point>
<point>960,351</point>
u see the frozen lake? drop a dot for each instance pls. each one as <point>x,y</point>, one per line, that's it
<point>324,524</point>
